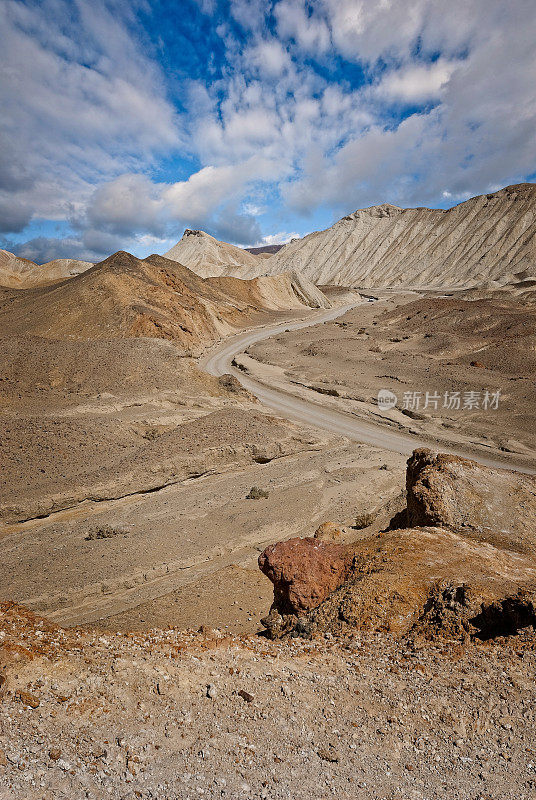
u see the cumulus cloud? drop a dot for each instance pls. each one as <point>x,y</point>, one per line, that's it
<point>475,137</point>
<point>295,21</point>
<point>134,206</point>
<point>128,204</point>
<point>270,58</point>
<point>79,100</point>
<point>14,215</point>
<point>416,83</point>
<point>333,104</point>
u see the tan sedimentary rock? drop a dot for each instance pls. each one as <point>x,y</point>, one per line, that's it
<point>496,506</point>
<point>486,238</point>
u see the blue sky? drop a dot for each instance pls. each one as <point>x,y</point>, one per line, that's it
<point>256,120</point>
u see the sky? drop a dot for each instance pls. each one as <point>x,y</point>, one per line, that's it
<point>126,121</point>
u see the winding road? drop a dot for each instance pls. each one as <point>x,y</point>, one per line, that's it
<point>218,361</point>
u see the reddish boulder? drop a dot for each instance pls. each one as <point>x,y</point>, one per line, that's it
<point>304,572</point>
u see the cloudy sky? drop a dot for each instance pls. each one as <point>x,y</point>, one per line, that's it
<point>125,121</point>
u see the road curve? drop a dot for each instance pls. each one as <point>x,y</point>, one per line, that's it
<point>218,362</point>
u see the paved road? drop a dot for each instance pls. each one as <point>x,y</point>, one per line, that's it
<point>218,362</point>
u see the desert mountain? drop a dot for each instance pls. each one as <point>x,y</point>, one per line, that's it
<point>123,297</point>
<point>491,237</point>
<point>13,269</point>
<point>209,257</point>
<point>20,273</point>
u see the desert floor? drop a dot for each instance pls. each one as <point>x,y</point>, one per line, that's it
<point>126,495</point>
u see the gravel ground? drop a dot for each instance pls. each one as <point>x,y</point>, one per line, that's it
<point>175,715</point>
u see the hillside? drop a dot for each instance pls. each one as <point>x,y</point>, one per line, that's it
<point>20,273</point>
<point>273,292</point>
<point>13,270</point>
<point>209,257</point>
<point>488,238</point>
<point>124,297</point>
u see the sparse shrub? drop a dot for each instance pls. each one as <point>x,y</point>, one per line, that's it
<point>106,532</point>
<point>230,384</point>
<point>256,494</point>
<point>364,519</point>
<point>151,433</point>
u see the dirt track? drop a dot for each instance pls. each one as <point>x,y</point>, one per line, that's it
<point>281,396</point>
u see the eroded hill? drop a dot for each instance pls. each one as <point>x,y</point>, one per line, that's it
<point>489,237</point>
<point>124,296</point>
<point>20,273</point>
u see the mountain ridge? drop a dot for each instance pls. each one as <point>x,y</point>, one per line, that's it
<point>210,257</point>
<point>21,273</point>
<point>487,237</point>
<point>124,297</point>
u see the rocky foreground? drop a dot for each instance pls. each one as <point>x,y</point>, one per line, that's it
<point>174,715</point>
<point>401,666</point>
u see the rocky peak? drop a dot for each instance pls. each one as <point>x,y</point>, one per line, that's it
<point>190,232</point>
<point>383,210</point>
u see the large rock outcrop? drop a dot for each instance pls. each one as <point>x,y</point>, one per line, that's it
<point>490,505</point>
<point>465,566</point>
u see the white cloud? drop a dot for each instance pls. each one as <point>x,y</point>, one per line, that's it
<point>309,31</point>
<point>273,130</point>
<point>79,101</point>
<point>205,191</point>
<point>416,83</point>
<point>269,58</point>
<point>129,203</point>
<point>277,238</point>
<point>480,134</point>
<point>134,206</point>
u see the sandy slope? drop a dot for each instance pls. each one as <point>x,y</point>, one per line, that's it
<point>19,273</point>
<point>124,297</point>
<point>486,238</point>
<point>209,257</point>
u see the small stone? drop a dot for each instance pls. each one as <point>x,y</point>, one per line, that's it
<point>28,699</point>
<point>329,754</point>
<point>328,532</point>
<point>54,754</point>
<point>212,691</point>
<point>246,696</point>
